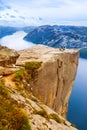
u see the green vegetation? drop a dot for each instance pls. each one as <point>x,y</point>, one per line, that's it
<point>56,118</point>
<point>45,114</point>
<point>73,125</point>
<point>3,91</point>
<point>53,116</point>
<point>19,75</point>
<point>12,117</point>
<point>27,73</point>
<point>31,68</point>
<point>42,113</point>
<point>34,98</point>
<point>32,65</point>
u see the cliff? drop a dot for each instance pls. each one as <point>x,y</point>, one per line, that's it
<point>41,71</point>
<point>20,110</point>
<point>52,83</point>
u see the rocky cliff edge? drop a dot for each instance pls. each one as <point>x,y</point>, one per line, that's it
<point>41,71</point>
<point>53,81</point>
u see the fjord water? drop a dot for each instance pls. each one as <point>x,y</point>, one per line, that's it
<point>77,111</point>
<point>16,41</point>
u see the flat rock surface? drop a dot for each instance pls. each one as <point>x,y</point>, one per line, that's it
<point>41,53</point>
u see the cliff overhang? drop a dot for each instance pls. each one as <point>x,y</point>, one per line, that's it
<point>44,72</point>
<point>53,81</point>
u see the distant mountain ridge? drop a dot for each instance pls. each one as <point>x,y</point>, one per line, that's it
<point>4,31</point>
<point>54,36</point>
<point>59,36</point>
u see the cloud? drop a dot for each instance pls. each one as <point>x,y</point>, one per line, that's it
<point>3,6</point>
<point>16,41</point>
<point>22,17</point>
<point>8,7</point>
<point>12,16</point>
<point>38,12</point>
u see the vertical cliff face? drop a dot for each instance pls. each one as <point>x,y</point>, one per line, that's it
<point>53,81</point>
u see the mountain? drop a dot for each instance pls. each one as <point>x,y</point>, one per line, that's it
<point>54,36</point>
<point>28,29</point>
<point>40,71</point>
<point>59,36</point>
<point>4,31</point>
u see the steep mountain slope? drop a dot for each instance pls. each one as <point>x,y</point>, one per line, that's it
<point>22,111</point>
<point>19,109</point>
<point>53,82</point>
<point>59,36</point>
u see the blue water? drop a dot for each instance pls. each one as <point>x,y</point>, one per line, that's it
<point>77,111</point>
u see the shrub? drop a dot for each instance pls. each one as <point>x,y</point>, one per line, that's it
<point>3,90</point>
<point>12,117</point>
<point>3,127</point>
<point>19,120</point>
<point>56,118</point>
<point>18,75</point>
<point>32,65</point>
<point>73,125</point>
<point>42,113</point>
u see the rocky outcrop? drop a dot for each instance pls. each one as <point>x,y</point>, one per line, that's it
<point>7,56</point>
<point>41,117</point>
<point>53,81</point>
<point>48,74</point>
<point>21,110</point>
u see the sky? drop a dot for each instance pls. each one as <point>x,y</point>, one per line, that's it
<point>42,12</point>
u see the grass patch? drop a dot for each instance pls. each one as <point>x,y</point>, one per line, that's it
<point>53,116</point>
<point>19,75</point>
<point>18,79</point>
<point>3,90</point>
<point>73,125</point>
<point>34,99</point>
<point>19,120</point>
<point>12,117</point>
<point>56,118</point>
<point>31,68</point>
<point>32,65</point>
<point>42,113</point>
<point>26,74</point>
